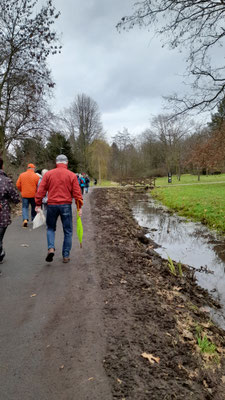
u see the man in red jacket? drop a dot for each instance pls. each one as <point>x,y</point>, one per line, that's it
<point>62,186</point>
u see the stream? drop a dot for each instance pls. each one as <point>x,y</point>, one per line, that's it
<point>190,243</point>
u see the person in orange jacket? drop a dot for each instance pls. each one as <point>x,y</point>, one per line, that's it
<point>27,184</point>
<point>62,186</point>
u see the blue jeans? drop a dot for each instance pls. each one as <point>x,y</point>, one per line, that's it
<point>25,208</point>
<point>65,212</point>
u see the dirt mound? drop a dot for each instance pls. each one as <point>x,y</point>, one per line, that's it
<point>161,345</point>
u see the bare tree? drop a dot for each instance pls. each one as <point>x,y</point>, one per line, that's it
<point>84,123</point>
<point>100,153</point>
<point>197,27</point>
<point>124,155</point>
<point>207,146</point>
<point>207,151</point>
<point>26,40</point>
<point>171,133</point>
<point>152,154</point>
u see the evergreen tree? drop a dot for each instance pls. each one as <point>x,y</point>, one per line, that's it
<point>58,144</point>
<point>218,119</point>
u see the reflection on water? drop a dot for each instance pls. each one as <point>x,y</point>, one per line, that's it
<point>190,243</point>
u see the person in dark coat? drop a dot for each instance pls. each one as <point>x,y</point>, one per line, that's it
<point>87,183</point>
<point>7,194</point>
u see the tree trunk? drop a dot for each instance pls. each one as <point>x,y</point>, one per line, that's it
<point>178,172</point>
<point>2,143</point>
<point>99,171</point>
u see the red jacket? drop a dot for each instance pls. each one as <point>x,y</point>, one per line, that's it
<point>62,186</point>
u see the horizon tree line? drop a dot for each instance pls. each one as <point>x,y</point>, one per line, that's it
<point>172,143</point>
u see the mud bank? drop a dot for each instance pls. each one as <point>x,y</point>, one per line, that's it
<point>152,318</point>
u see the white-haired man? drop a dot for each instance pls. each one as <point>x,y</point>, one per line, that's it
<point>62,186</point>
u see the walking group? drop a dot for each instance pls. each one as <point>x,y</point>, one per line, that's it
<point>84,182</point>
<point>53,191</point>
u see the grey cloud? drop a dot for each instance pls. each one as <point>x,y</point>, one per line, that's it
<point>126,73</point>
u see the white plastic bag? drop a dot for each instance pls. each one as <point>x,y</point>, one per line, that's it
<point>39,219</point>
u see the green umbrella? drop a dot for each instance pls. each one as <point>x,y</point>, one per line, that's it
<point>79,228</point>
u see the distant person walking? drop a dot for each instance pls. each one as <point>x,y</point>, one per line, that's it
<point>27,184</point>
<point>7,194</point>
<point>87,183</point>
<point>45,199</point>
<point>41,173</point>
<point>82,183</point>
<point>62,186</point>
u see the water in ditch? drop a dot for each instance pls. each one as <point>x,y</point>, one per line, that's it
<point>190,243</point>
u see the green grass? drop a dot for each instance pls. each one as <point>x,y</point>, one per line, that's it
<point>206,346</point>
<point>180,269</point>
<point>204,203</point>
<point>104,182</point>
<point>187,178</point>
<point>171,266</point>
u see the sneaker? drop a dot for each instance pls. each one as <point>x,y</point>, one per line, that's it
<point>66,260</point>
<point>2,256</point>
<point>25,223</point>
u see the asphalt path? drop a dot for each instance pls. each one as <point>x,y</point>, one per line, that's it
<point>52,337</point>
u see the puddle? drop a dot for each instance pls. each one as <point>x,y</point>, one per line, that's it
<point>190,243</point>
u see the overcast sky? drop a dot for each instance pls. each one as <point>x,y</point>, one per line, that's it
<point>125,73</point>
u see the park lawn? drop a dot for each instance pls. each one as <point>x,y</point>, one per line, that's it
<point>204,203</point>
<point>188,178</point>
<point>105,182</point>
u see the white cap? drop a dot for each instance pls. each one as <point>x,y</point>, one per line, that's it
<point>61,159</point>
<point>44,171</point>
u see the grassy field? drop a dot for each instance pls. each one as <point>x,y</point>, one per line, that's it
<point>105,183</point>
<point>204,203</point>
<point>187,178</point>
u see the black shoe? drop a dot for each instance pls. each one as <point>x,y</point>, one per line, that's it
<point>2,256</point>
<point>49,257</point>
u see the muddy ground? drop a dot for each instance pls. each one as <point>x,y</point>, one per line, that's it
<point>153,318</point>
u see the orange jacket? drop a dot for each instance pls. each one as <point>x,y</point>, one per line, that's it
<point>27,183</point>
<point>62,186</point>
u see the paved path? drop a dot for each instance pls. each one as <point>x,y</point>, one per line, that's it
<point>52,339</point>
